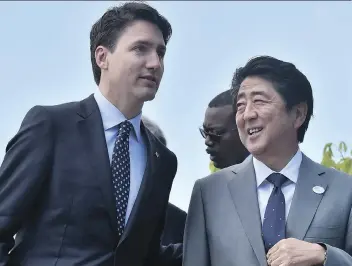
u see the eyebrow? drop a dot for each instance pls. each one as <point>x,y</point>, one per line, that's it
<point>161,47</point>
<point>252,93</point>
<point>212,128</point>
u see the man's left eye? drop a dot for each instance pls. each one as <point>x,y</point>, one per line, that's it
<point>140,48</point>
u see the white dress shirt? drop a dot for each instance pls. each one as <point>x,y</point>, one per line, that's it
<point>264,187</point>
<point>111,117</point>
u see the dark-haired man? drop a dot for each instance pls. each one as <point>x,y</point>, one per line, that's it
<point>278,207</point>
<point>220,132</point>
<point>85,183</point>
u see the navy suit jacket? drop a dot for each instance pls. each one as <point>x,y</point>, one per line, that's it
<point>56,195</point>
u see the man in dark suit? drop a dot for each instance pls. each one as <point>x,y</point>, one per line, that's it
<point>220,132</point>
<point>175,217</point>
<point>85,183</point>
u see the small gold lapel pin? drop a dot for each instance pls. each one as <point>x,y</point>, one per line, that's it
<point>157,154</point>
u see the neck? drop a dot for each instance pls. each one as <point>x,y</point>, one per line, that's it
<point>126,103</point>
<point>278,161</point>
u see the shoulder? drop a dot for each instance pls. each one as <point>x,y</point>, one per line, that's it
<point>164,157</point>
<point>62,109</point>
<point>52,110</point>
<point>329,172</point>
<point>65,112</point>
<point>339,178</point>
<point>222,176</point>
<point>338,181</point>
<point>160,150</point>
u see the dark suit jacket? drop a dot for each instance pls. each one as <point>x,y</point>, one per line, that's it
<point>174,225</point>
<point>56,194</point>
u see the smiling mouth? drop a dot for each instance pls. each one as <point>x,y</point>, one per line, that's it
<point>254,130</point>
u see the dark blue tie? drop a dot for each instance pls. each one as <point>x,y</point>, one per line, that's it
<point>120,167</point>
<point>275,219</point>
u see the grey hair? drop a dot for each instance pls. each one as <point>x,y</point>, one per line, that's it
<point>155,129</point>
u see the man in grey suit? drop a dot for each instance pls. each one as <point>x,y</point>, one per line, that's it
<point>278,207</point>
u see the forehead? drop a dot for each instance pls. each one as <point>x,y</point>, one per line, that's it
<point>255,85</point>
<point>218,116</point>
<point>141,31</point>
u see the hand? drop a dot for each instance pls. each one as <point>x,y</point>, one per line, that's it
<point>294,252</point>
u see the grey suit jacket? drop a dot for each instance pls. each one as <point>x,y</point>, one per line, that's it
<point>223,226</point>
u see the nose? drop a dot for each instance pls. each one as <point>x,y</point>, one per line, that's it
<point>249,113</point>
<point>154,61</point>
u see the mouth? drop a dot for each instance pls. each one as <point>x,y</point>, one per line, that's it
<point>212,154</point>
<point>254,131</point>
<point>149,78</point>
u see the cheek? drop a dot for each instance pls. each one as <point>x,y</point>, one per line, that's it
<point>130,72</point>
<point>239,121</point>
<point>129,66</point>
<point>240,125</point>
<point>117,71</point>
<point>267,113</point>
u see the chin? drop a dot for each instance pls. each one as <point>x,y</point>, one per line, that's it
<point>255,149</point>
<point>216,164</point>
<point>147,94</point>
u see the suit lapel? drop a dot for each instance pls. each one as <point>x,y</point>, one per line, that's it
<point>91,130</point>
<point>305,201</point>
<point>147,184</point>
<point>243,189</point>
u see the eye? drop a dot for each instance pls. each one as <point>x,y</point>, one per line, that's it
<point>219,133</point>
<point>140,48</point>
<point>258,99</point>
<point>240,105</point>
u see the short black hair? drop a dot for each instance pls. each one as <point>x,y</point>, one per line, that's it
<point>223,99</point>
<point>109,27</point>
<point>288,81</point>
<point>155,129</point>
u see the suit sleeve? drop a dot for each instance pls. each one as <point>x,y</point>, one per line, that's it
<point>22,173</point>
<point>195,250</point>
<point>336,256</point>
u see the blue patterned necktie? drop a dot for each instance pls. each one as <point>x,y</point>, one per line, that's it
<point>120,167</point>
<point>274,225</point>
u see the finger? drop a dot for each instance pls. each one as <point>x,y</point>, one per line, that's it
<point>273,249</point>
<point>274,255</point>
<point>278,261</point>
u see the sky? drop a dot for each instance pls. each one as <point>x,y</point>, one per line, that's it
<point>45,60</point>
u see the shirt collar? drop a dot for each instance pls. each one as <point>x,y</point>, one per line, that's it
<point>112,116</point>
<point>291,170</point>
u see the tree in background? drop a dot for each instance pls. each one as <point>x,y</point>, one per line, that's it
<point>343,162</point>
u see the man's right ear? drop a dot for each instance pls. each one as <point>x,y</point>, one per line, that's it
<point>101,57</point>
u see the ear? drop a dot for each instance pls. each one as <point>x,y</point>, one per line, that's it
<point>101,57</point>
<point>300,112</point>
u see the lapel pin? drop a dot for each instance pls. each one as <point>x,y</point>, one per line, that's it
<point>318,190</point>
<point>157,154</point>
